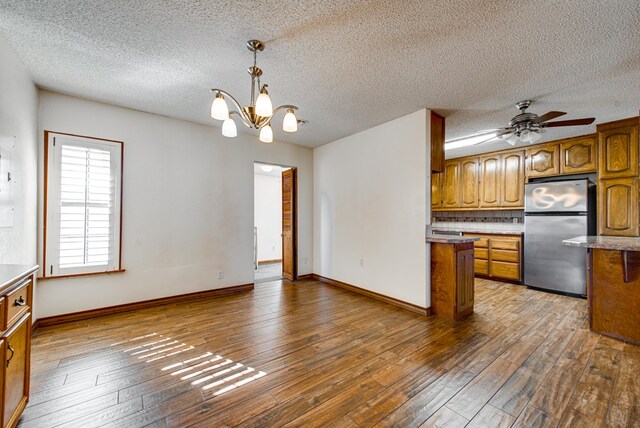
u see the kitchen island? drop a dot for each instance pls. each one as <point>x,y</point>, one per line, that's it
<point>613,287</point>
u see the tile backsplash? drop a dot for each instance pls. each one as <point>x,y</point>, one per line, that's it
<point>502,216</point>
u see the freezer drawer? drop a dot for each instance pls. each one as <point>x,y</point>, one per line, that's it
<point>547,263</point>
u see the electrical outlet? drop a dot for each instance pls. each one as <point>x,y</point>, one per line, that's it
<point>220,274</point>
<point>361,262</point>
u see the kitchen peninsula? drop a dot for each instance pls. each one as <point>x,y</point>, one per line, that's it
<point>613,289</point>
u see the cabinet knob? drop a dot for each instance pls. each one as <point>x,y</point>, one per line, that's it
<point>12,352</point>
<point>19,302</point>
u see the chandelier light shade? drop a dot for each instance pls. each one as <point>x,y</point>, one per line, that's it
<point>290,122</point>
<point>266,134</point>
<point>259,113</point>
<point>219,108</point>
<point>229,128</point>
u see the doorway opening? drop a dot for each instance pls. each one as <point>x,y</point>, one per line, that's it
<point>275,222</point>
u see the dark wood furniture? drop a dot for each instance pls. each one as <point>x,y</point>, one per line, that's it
<point>16,301</point>
<point>452,278</point>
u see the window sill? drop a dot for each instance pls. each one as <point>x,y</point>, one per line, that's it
<point>73,275</point>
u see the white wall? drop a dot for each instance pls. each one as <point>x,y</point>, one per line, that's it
<point>188,204</point>
<point>371,203</point>
<point>18,127</point>
<point>268,215</point>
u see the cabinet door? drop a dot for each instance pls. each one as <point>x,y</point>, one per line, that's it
<point>578,155</point>
<point>512,183</point>
<point>436,190</point>
<point>490,181</point>
<point>618,152</point>
<point>16,366</point>
<point>437,143</point>
<point>469,183</point>
<point>618,207</point>
<point>451,185</point>
<point>542,161</point>
<point>464,281</point>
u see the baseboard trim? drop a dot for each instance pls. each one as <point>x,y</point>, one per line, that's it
<point>307,277</point>
<point>373,295</point>
<point>269,261</point>
<point>92,313</point>
<point>35,326</point>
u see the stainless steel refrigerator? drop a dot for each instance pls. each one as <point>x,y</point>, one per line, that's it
<point>554,211</point>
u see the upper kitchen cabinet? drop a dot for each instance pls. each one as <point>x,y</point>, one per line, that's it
<point>543,160</point>
<point>618,149</point>
<point>618,207</point>
<point>451,184</point>
<point>578,155</point>
<point>490,181</point>
<point>437,143</point>
<point>469,177</point>
<point>512,180</point>
<point>436,190</point>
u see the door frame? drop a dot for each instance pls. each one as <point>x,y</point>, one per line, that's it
<point>295,214</point>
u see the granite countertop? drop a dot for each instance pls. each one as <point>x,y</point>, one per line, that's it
<point>620,243</point>
<point>10,273</point>
<point>450,239</point>
<point>479,231</point>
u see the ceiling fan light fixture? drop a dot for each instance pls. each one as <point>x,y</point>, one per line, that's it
<point>219,108</point>
<point>290,121</point>
<point>266,134</point>
<point>511,139</point>
<point>229,128</point>
<point>534,137</point>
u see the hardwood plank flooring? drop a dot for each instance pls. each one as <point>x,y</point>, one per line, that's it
<point>309,354</point>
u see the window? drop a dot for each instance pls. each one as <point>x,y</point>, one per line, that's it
<point>83,205</point>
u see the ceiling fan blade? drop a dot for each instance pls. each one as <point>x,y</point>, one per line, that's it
<point>548,116</point>
<point>498,135</point>
<point>489,131</point>
<point>572,122</point>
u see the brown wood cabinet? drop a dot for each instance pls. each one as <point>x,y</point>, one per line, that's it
<point>437,143</point>
<point>578,155</point>
<point>469,182</point>
<point>618,207</point>
<point>498,256</point>
<point>512,180</point>
<point>452,280</point>
<point>618,149</point>
<point>436,190</point>
<point>490,181</point>
<point>543,160</point>
<point>451,184</point>
<point>15,342</point>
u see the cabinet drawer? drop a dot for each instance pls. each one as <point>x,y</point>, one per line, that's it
<point>505,255</point>
<point>481,253</point>
<point>17,303</point>
<point>503,244</point>
<point>482,243</point>
<point>505,270</point>
<point>481,267</point>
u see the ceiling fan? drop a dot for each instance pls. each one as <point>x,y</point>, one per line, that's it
<point>527,127</point>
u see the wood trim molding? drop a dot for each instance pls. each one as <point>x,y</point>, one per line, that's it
<point>35,326</point>
<point>307,277</point>
<point>92,313</point>
<point>74,275</point>
<point>630,121</point>
<point>373,295</point>
<point>269,261</point>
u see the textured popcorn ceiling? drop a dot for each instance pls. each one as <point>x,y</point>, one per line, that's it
<point>348,65</point>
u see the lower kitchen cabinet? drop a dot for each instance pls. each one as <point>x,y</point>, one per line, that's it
<point>452,280</point>
<point>16,297</point>
<point>498,256</point>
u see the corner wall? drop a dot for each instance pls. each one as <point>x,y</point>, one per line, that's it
<point>18,127</point>
<point>371,205</point>
<point>187,204</point>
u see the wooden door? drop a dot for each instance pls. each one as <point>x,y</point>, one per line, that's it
<point>618,151</point>
<point>464,282</point>
<point>512,182</point>
<point>451,184</point>
<point>436,190</point>
<point>578,155</point>
<point>437,143</point>
<point>469,183</point>
<point>542,161</point>
<point>16,360</point>
<point>618,207</point>
<point>490,181</point>
<point>289,224</point>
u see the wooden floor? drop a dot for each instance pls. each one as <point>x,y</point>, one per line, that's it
<point>314,355</point>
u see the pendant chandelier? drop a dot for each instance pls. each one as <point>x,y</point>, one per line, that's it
<point>259,112</point>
